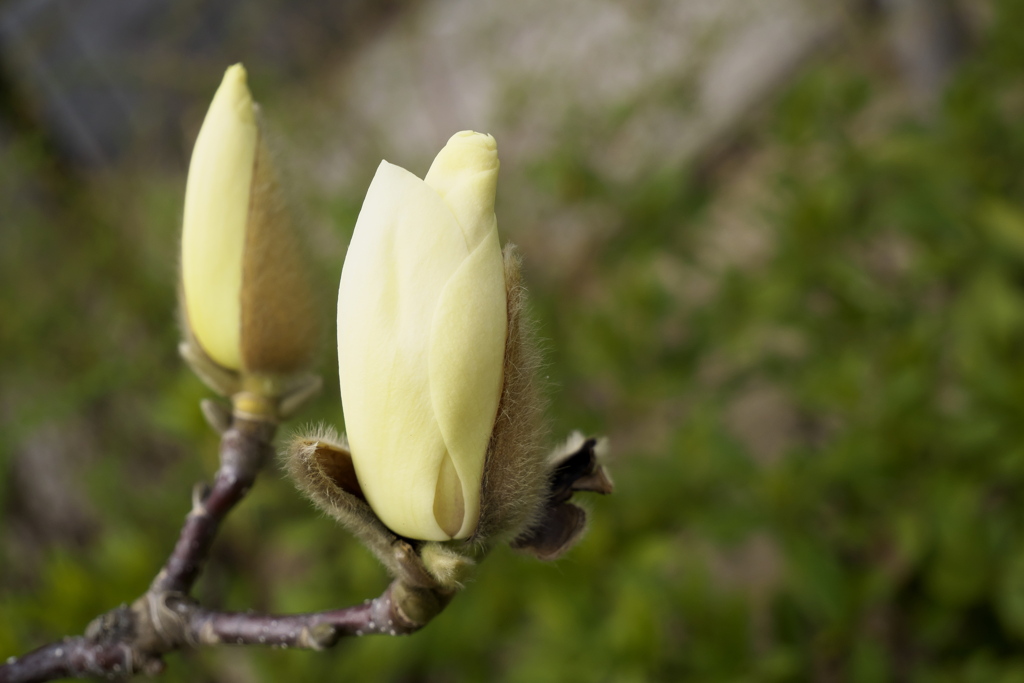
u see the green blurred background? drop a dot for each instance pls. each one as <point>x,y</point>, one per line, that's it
<point>776,252</point>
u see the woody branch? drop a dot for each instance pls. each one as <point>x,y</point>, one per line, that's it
<point>133,639</point>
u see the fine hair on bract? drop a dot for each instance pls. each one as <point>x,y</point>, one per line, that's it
<point>280,331</point>
<point>516,469</point>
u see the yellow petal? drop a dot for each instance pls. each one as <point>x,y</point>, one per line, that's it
<point>421,338</point>
<point>216,211</point>
<point>404,249</point>
<point>467,350</point>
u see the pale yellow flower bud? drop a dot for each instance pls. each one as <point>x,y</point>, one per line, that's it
<point>422,323</point>
<point>246,300</point>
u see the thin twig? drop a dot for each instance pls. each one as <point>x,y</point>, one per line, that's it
<point>77,657</point>
<point>244,448</point>
<point>313,631</point>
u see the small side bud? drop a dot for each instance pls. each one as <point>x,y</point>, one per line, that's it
<point>451,569</point>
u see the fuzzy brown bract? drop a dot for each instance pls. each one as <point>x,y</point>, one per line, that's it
<point>515,470</point>
<point>279,323</point>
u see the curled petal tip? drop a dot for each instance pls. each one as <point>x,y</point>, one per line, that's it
<point>235,71</point>
<point>482,140</point>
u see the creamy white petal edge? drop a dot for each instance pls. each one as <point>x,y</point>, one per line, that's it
<point>216,213</point>
<point>421,334</point>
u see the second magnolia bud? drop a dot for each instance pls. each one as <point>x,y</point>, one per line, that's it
<point>421,339</point>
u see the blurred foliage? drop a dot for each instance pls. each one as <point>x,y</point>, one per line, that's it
<point>878,540</point>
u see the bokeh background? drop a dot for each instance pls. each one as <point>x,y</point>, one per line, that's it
<point>776,252</point>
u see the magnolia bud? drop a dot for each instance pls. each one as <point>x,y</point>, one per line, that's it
<point>439,385</point>
<point>421,339</point>
<point>246,301</point>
